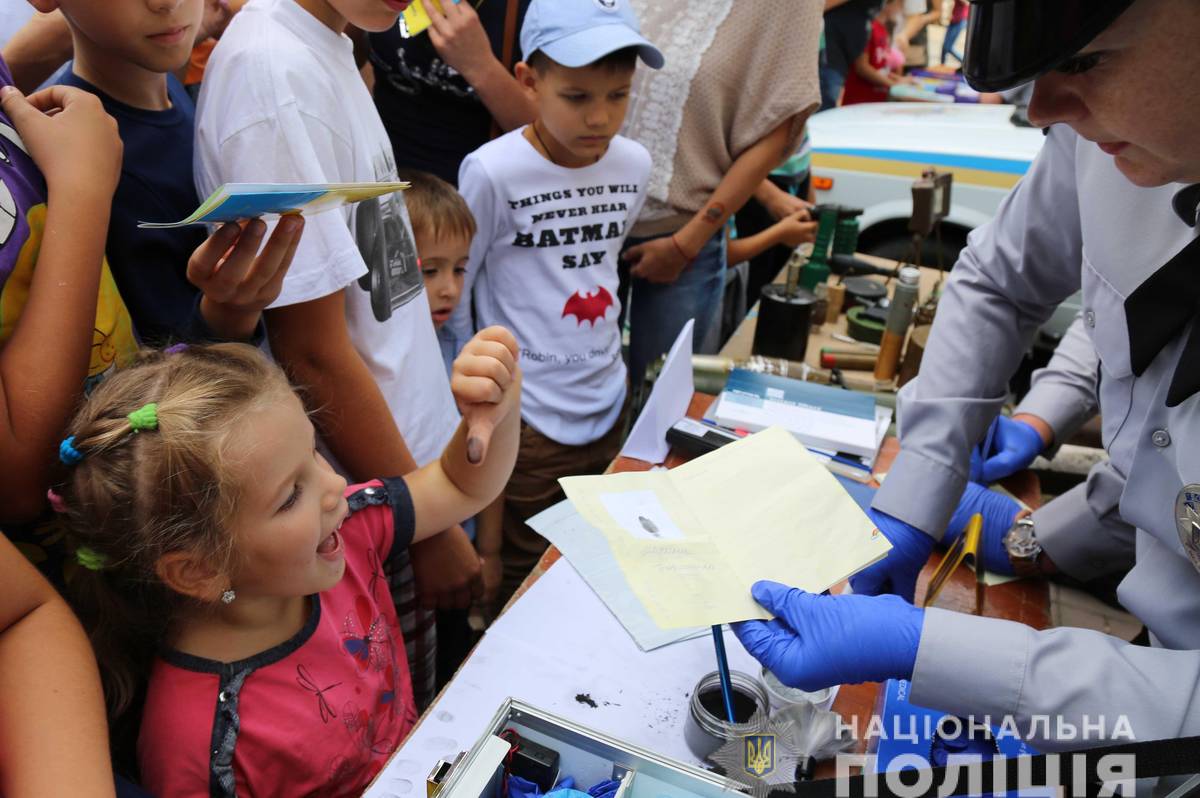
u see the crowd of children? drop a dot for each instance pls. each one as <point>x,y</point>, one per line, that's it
<point>271,465</point>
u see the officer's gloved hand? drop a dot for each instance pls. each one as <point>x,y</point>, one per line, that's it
<point>1014,445</point>
<point>999,512</point>
<point>897,572</point>
<point>817,641</point>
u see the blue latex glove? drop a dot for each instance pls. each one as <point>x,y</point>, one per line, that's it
<point>897,572</point>
<point>522,788</point>
<point>605,789</point>
<point>1014,445</point>
<point>998,511</point>
<point>817,641</point>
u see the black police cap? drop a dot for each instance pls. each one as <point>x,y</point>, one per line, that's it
<point>1010,42</point>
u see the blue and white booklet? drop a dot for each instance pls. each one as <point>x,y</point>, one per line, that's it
<point>234,202</point>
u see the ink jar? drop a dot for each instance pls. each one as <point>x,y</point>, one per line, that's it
<point>707,727</point>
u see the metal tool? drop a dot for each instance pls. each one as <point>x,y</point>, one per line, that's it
<point>931,205</point>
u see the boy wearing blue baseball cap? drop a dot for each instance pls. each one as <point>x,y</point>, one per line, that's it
<point>553,201</point>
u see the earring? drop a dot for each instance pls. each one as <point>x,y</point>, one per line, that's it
<point>228,596</point>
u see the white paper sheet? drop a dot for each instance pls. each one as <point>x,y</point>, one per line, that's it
<point>584,545</point>
<point>667,404</point>
<point>561,650</point>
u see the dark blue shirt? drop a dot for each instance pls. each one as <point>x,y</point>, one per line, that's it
<point>433,117</point>
<point>150,266</point>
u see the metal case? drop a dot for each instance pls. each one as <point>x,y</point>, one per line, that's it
<point>589,756</point>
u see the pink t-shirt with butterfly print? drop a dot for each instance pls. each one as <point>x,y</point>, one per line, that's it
<point>316,715</point>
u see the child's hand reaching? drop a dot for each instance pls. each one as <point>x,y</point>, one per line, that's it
<point>486,386</point>
<point>238,281</point>
<point>70,137</point>
<point>796,229</point>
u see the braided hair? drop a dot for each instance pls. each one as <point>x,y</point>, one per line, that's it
<point>149,475</point>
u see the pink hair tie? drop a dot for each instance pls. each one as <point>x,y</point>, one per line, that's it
<point>56,502</point>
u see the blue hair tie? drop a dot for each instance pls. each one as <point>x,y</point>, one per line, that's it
<point>68,453</point>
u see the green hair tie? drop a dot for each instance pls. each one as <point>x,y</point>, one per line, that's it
<point>145,417</point>
<point>90,559</point>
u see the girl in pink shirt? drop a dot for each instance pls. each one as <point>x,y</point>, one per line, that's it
<point>235,586</point>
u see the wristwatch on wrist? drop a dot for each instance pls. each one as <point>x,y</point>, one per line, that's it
<point>1024,551</point>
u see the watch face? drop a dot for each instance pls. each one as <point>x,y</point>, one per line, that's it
<point>1020,541</point>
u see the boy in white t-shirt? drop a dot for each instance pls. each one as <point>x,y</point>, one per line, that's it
<point>552,202</point>
<point>283,101</point>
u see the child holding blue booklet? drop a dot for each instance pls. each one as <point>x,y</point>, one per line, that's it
<point>175,288</point>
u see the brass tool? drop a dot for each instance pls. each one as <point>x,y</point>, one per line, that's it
<point>964,550</point>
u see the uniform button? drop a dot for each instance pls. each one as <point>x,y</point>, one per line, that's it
<point>1089,318</point>
<point>1161,438</point>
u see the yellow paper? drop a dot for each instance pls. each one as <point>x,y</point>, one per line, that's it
<point>693,540</point>
<point>415,19</point>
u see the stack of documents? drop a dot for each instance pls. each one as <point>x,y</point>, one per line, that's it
<point>690,542</point>
<point>830,419</point>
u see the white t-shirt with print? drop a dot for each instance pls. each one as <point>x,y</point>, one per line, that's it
<point>544,265</point>
<point>283,102</point>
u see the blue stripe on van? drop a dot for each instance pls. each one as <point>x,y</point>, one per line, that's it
<point>1005,165</point>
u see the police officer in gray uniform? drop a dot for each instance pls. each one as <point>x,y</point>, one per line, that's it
<point>1109,206</point>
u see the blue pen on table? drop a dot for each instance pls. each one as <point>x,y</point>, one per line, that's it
<point>723,672</point>
<point>843,459</point>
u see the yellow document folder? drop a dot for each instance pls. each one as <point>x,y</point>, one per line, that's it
<point>692,541</point>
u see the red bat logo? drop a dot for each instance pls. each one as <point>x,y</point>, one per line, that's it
<point>588,307</point>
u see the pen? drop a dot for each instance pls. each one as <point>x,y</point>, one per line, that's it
<point>723,671</point>
<point>741,433</point>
